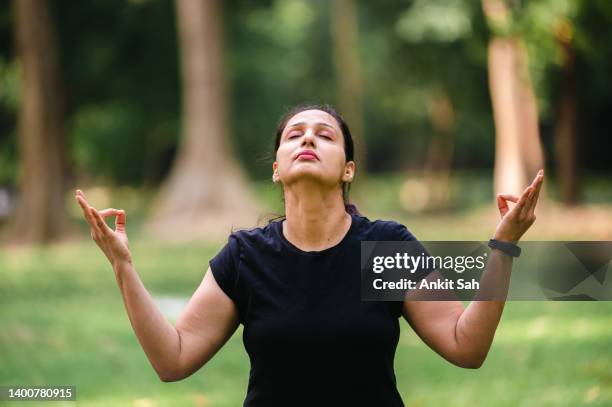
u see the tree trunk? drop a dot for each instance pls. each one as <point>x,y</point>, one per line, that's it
<point>440,150</point>
<point>529,129</point>
<point>40,215</point>
<point>205,193</point>
<point>565,131</point>
<point>509,175</point>
<point>518,149</point>
<point>345,33</point>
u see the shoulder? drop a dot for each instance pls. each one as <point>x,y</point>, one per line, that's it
<point>384,229</point>
<point>241,244</point>
<point>257,237</point>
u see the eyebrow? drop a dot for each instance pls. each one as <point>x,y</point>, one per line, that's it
<point>318,123</point>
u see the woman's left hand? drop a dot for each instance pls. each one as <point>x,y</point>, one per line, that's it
<point>517,220</point>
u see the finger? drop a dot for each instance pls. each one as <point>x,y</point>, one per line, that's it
<point>82,198</point>
<point>86,212</point>
<point>536,194</point>
<point>120,221</point>
<point>537,180</point>
<point>520,205</point>
<point>502,205</point>
<point>108,212</point>
<point>96,228</point>
<point>534,190</point>
<point>80,201</point>
<point>509,197</point>
<point>527,211</point>
<point>103,227</point>
<point>81,194</point>
<point>120,217</point>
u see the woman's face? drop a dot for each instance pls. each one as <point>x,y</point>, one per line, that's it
<point>312,147</point>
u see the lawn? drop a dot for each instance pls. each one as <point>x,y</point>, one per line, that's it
<point>63,322</point>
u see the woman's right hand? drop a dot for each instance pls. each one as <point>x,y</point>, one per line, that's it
<point>114,243</point>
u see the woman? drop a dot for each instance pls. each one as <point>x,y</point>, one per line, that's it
<point>294,285</point>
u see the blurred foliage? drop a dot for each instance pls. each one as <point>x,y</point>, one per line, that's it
<point>9,102</point>
<point>120,63</point>
<point>122,79</point>
<point>439,20</point>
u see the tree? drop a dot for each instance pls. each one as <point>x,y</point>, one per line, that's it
<point>345,35</point>
<point>438,164</point>
<point>567,112</point>
<point>205,192</point>
<point>40,216</point>
<point>518,150</point>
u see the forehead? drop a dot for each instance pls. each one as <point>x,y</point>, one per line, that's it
<point>313,116</point>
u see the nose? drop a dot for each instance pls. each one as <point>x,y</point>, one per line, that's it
<point>309,137</point>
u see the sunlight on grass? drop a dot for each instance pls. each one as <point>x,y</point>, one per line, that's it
<point>64,322</point>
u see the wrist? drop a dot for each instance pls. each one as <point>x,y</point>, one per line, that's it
<point>506,238</point>
<point>122,264</point>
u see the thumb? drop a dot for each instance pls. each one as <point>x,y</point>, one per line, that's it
<point>502,202</point>
<point>509,197</point>
<point>120,221</point>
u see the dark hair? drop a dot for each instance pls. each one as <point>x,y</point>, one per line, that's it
<point>346,133</point>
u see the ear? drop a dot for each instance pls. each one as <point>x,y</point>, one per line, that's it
<point>275,177</point>
<point>349,171</point>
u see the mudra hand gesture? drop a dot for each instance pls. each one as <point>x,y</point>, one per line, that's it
<point>516,221</point>
<point>114,243</point>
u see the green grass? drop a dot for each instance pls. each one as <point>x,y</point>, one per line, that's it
<point>63,322</point>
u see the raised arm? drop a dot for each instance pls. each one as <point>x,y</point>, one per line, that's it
<point>463,336</point>
<point>208,321</point>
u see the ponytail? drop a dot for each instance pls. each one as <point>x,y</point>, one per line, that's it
<point>351,209</point>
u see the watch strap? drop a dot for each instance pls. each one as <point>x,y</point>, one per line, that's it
<point>509,248</point>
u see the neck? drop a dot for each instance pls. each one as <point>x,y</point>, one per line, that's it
<point>315,216</point>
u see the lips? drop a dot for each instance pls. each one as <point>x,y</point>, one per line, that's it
<point>307,155</point>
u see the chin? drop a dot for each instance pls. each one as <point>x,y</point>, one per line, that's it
<point>306,174</point>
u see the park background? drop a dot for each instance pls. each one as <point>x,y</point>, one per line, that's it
<point>167,110</point>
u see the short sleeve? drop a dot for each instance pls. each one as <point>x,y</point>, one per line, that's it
<point>224,267</point>
<point>399,232</point>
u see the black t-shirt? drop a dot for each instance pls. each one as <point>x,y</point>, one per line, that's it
<point>310,339</point>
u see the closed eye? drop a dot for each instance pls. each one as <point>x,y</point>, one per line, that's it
<point>292,136</point>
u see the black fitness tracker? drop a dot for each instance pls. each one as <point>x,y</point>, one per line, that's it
<point>509,248</point>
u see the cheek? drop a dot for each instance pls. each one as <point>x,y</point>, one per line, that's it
<point>335,158</point>
<point>283,157</point>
